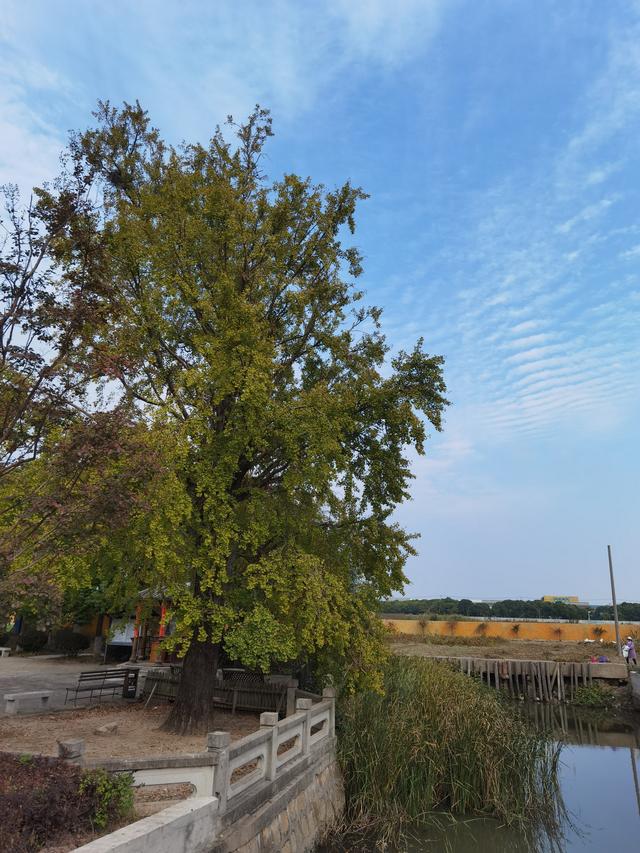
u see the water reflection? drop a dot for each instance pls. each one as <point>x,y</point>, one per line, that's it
<point>598,776</point>
<point>583,727</point>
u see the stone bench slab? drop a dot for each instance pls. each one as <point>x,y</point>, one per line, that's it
<point>33,700</point>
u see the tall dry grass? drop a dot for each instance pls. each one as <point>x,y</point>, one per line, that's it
<point>440,741</point>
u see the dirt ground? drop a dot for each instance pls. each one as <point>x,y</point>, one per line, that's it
<point>138,731</point>
<point>510,649</point>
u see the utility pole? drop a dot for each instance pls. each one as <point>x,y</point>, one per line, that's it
<point>615,604</point>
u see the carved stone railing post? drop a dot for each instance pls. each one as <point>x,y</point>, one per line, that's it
<point>330,693</point>
<point>269,720</point>
<point>218,745</point>
<point>71,750</point>
<point>305,705</point>
<point>291,696</point>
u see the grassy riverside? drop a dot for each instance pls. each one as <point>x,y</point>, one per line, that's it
<point>436,742</point>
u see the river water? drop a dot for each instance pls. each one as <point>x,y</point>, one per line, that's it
<point>599,772</point>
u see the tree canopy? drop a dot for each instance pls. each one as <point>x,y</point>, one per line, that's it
<point>256,427</point>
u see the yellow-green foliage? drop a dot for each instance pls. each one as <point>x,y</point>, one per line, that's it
<point>280,426</point>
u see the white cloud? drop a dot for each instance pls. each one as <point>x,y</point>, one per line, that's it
<point>600,174</point>
<point>526,326</point>
<point>379,30</point>
<point>29,144</point>
<point>632,253</point>
<point>534,353</point>
<point>585,215</point>
<point>548,330</point>
<point>541,338</point>
<point>195,62</point>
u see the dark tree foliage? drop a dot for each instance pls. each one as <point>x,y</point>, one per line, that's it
<point>54,295</point>
<point>509,609</point>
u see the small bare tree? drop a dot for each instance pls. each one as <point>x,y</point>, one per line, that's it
<point>423,623</point>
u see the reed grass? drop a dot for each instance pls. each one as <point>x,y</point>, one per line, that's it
<point>438,741</point>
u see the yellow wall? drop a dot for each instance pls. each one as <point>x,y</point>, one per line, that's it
<point>527,631</point>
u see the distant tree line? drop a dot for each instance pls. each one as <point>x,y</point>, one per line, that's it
<point>509,609</point>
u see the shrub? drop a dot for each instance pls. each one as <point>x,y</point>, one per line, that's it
<point>111,795</point>
<point>515,629</point>
<point>70,642</point>
<point>439,740</point>
<point>32,640</point>
<point>390,631</point>
<point>482,628</point>
<point>444,640</point>
<point>41,799</point>
<point>593,696</point>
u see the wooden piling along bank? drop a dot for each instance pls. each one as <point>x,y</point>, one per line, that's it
<point>542,680</point>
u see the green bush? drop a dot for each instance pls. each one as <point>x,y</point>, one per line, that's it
<point>42,799</point>
<point>593,696</point>
<point>70,642</point>
<point>111,795</point>
<point>32,640</point>
<point>438,740</point>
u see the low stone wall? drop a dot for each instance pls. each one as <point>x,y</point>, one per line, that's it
<point>197,769</point>
<point>185,826</point>
<point>278,789</point>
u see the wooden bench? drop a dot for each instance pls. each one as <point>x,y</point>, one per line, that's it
<point>34,700</point>
<point>104,682</point>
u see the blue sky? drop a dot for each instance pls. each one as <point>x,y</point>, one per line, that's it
<point>499,143</point>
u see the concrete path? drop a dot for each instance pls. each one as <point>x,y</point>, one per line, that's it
<point>21,674</point>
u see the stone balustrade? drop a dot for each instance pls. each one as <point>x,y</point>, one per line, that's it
<point>278,788</point>
<point>263,755</point>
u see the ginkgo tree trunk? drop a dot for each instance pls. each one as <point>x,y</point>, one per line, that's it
<point>240,339</point>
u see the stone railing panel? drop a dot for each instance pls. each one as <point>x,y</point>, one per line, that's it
<point>255,748</point>
<point>320,720</point>
<point>294,733</point>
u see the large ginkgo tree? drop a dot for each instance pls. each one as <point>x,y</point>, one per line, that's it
<point>281,424</point>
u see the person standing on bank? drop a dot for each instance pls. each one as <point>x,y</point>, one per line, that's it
<point>632,651</point>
